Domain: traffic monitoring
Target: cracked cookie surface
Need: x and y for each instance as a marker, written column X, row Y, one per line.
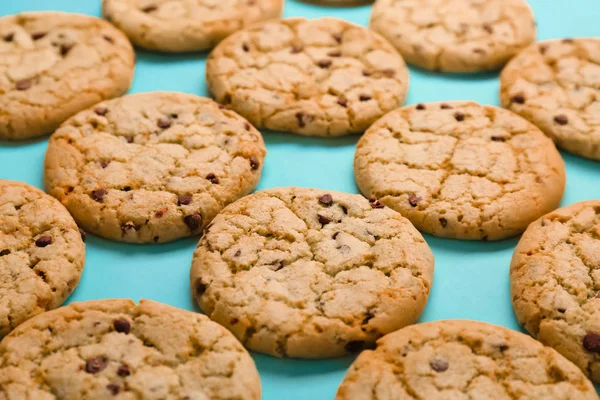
column 311, row 273
column 53, row 65
column 116, row 349
column 462, row 360
column 41, row 254
column 323, row 77
column 186, row 25
column 455, row 35
column 152, row 167
column 460, row 169
column 555, row 283
column 556, row 85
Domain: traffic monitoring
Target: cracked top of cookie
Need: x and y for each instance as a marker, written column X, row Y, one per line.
column 462, row 359
column 311, row 273
column 556, row 85
column 323, row 76
column 460, row 169
column 555, row 283
column 186, row 25
column 152, row 167
column 41, row 254
column 104, row 348
column 53, row 65
column 455, row 35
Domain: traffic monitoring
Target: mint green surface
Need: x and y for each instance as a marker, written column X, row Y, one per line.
column 471, row 278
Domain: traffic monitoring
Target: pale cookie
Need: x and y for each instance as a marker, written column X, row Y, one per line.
column 324, row 77
column 310, row 273
column 462, row 360
column 41, row 254
column 53, row 65
column 186, row 25
column 107, row 349
column 460, row 169
column 555, row 283
column 152, row 167
column 555, row 84
column 455, row 35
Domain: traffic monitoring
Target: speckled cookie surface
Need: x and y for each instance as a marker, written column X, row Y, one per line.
column 555, row 84
column 462, row 360
column 152, row 167
column 310, row 273
column 53, row 65
column 114, row 349
column 186, row 25
column 41, row 254
column 460, row 169
column 324, row 77
column 455, row 35
column 555, row 283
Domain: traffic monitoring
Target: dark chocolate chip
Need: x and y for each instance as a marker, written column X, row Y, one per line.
column 342, row 101
column 246, row 126
column 9, row 37
column 591, row 342
column 443, row 222
column 439, row 365
column 114, row 389
column 254, row 164
column 159, row 213
column 323, row 220
column 82, row 233
column 518, row 98
column 95, row 365
column 561, row 310
column 498, row 139
column 109, row 39
column 23, row 84
column 129, row 139
column 354, row 346
column 420, row 106
column 326, row 200
column 200, row 287
column 561, row 119
column 238, row 253
column 366, row 73
column 104, row 164
column 335, row 235
column 4, row 252
column 38, row 35
column 245, row 47
column 123, row 371
column 233, row 321
column 65, row 49
column 300, row 117
column 368, row 316
column 344, row 210
column 155, row 238
column 337, row 37
column 335, row 53
column 445, row 106
column 122, row 325
column 413, row 200
column 459, row 116
column 543, row 48
column 101, row 111
column 149, row 9
column 488, row 28
column 126, row 188
column 99, row 194
column 296, row 49
column 163, row 123
column 43, row 241
column 364, row 97
column 212, row 178
column 377, row 204
column 184, row 200
column 193, row 221
column 324, row 63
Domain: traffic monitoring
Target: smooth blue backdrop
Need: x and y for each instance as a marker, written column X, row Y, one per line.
column 471, row 278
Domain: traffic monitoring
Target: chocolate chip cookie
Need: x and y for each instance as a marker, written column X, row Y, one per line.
column 41, row 254
column 555, row 283
column 186, row 25
column 554, row 84
column 310, row 273
column 324, row 77
column 455, row 35
column 53, row 65
column 460, row 169
column 462, row 360
column 107, row 349
column 152, row 167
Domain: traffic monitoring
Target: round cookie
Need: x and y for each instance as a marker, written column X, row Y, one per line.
column 114, row 348
column 324, row 77
column 555, row 283
column 460, row 169
column 53, row 65
column 186, row 25
column 455, row 35
column 462, row 359
column 152, row 167
column 554, row 85
column 309, row 273
column 41, row 254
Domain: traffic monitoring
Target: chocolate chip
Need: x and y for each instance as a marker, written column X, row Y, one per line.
column 591, row 342
column 149, row 9
column 518, row 98
column 155, row 238
column 337, row 37
column 238, row 253
column 43, row 241
column 4, row 252
column 413, row 200
column 488, row 28
column 445, row 106
column 104, row 164
column 38, row 35
column 366, row 73
column 254, row 164
column 233, row 321
column 323, row 220
column 324, row 63
column 245, row 47
column 23, row 84
column 376, row 204
column 354, row 346
column 129, row 139
column 126, row 188
column 326, row 200
column 543, row 48
column 342, row 102
column 246, row 126
column 184, row 200
column 498, row 139
column 65, row 49
column 443, row 222
column 109, row 39
column 101, row 111
column 163, row 123
column 114, row 389
column 335, row 53
column 439, row 365
column 83, row 234
column 335, row 235
column 364, row 97
column 561, row 310
column 344, row 210
column 296, row 49
column 300, row 117
column 561, row 119
column 368, row 316
column 95, row 365
column 193, row 221
column 420, row 106
column 388, row 72
column 99, row 194
column 122, row 325
column 9, row 37
column 459, row 116
column 200, row 287
column 123, row 371
column 212, row 178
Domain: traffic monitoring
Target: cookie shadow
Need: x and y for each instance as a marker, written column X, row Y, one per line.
column 24, row 142
column 580, row 164
column 289, row 367
column 276, row 138
column 129, row 249
column 332, row 3
column 456, row 246
column 455, row 76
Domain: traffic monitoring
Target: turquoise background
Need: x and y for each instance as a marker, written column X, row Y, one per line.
column 471, row 278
